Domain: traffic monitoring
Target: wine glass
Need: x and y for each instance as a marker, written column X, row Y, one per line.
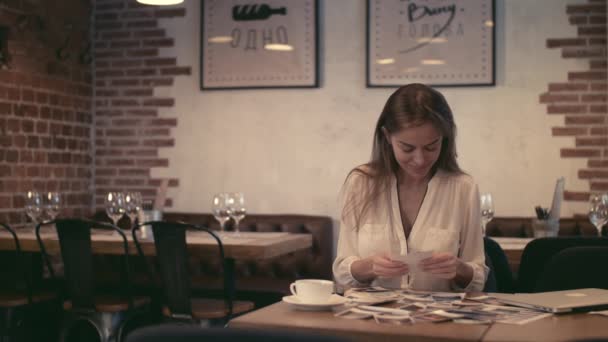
column 598, row 211
column 115, row 206
column 52, row 205
column 486, row 206
column 33, row 206
column 133, row 204
column 220, row 209
column 236, row 205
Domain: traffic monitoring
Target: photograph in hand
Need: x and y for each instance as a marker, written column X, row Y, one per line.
column 412, row 259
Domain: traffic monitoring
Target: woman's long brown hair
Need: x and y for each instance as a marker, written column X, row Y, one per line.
column 409, row 106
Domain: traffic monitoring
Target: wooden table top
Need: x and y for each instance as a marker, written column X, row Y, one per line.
column 510, row 244
column 565, row 327
column 247, row 246
column 282, row 316
column 557, row 328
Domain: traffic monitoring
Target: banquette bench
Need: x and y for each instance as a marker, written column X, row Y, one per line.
column 522, row 227
column 266, row 281
column 261, row 281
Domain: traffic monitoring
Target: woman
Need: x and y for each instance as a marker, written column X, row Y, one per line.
column 412, row 196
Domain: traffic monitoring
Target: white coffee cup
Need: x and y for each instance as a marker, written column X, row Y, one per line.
column 312, row 290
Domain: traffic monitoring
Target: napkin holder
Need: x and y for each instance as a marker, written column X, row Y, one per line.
column 548, row 225
column 148, row 214
column 545, row 228
column 153, row 211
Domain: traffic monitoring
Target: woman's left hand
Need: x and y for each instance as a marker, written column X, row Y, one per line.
column 442, row 265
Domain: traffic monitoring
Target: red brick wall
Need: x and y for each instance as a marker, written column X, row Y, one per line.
column 45, row 116
column 582, row 96
column 130, row 127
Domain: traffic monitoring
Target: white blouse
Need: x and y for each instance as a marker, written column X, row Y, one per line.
column 448, row 221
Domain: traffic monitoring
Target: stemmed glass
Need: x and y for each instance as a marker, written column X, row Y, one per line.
column 598, row 211
column 236, row 205
column 52, row 205
column 220, row 209
column 115, row 206
column 33, row 206
column 133, row 204
column 486, row 206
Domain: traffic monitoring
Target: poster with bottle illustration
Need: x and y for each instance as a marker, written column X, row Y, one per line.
column 436, row 42
column 259, row 44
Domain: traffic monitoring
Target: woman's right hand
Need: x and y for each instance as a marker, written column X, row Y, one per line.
column 379, row 265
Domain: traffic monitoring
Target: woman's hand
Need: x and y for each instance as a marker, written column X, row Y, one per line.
column 442, row 265
column 379, row 265
column 384, row 266
column 447, row 266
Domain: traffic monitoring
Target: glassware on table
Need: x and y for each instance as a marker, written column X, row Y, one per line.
column 598, row 211
column 545, row 227
column 52, row 205
column 237, row 208
column 133, row 203
column 220, row 209
column 115, row 206
column 34, row 207
column 486, row 206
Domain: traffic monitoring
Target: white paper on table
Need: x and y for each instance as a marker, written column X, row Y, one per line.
column 412, row 259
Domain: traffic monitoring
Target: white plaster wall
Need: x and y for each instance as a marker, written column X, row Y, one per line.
column 289, row 150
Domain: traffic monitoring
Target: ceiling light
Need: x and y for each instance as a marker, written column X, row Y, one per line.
column 160, row 2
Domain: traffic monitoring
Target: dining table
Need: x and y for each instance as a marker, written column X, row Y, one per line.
column 244, row 246
column 558, row 328
column 237, row 246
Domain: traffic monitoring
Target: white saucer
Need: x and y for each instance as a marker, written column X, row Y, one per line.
column 334, row 300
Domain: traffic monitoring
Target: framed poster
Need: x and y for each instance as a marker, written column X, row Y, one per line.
column 435, row 42
column 265, row 44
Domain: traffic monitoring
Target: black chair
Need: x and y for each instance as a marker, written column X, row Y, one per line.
column 105, row 315
column 172, row 256
column 538, row 252
column 19, row 303
column 575, row 268
column 500, row 277
column 175, row 333
column 490, row 285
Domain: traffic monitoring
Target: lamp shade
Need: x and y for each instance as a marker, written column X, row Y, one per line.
column 160, row 2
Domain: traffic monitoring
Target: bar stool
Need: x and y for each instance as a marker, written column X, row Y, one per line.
column 18, row 305
column 169, row 332
column 498, row 263
column 108, row 314
column 539, row 252
column 575, row 268
column 172, row 256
